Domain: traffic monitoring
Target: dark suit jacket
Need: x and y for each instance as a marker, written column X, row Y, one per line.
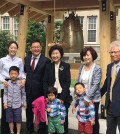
column 34, row 80
column 115, row 104
column 64, row 78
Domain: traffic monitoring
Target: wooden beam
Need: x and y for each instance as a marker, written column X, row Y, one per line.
column 31, row 14
column 14, row 11
column 38, row 11
column 3, row 3
column 49, row 34
column 7, row 8
column 24, row 2
column 42, row 17
column 36, row 16
column 22, row 32
column 40, row 0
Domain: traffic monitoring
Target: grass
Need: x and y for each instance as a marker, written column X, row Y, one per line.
column 73, row 83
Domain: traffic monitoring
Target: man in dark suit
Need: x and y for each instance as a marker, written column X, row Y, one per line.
column 112, row 89
column 34, row 68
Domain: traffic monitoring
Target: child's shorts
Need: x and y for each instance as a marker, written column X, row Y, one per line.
column 54, row 125
column 14, row 115
column 85, row 127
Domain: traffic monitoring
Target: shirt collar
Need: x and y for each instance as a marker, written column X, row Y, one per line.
column 9, row 57
column 118, row 64
column 36, row 57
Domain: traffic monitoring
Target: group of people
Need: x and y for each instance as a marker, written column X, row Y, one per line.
column 41, row 76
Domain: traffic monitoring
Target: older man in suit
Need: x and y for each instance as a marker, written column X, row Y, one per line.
column 112, row 89
column 34, row 68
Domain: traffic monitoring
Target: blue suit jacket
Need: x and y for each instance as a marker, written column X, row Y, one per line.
column 115, row 104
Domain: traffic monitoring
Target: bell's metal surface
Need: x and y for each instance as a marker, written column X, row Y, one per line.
column 72, row 34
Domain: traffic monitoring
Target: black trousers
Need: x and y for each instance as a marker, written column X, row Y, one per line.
column 112, row 122
column 96, row 127
column 29, row 120
column 4, row 124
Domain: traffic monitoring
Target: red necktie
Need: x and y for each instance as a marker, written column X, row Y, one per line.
column 33, row 64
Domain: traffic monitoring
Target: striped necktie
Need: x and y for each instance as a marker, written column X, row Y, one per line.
column 114, row 73
column 33, row 64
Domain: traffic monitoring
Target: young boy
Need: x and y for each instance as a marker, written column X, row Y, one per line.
column 56, row 112
column 85, row 112
column 14, row 99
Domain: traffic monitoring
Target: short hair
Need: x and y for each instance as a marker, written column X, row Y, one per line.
column 52, row 90
column 34, row 40
column 92, row 51
column 56, row 47
column 115, row 44
column 12, row 42
column 79, row 83
column 14, row 68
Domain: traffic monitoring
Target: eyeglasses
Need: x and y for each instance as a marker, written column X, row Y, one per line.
column 114, row 52
column 35, row 47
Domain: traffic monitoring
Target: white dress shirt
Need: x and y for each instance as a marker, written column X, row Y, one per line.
column 57, row 83
column 36, row 60
column 6, row 63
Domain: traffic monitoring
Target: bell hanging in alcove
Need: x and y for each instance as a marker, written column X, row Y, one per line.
column 72, row 34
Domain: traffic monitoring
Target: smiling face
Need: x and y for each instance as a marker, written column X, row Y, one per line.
column 79, row 89
column 35, row 49
column 51, row 96
column 115, row 53
column 13, row 75
column 88, row 59
column 56, row 56
column 12, row 50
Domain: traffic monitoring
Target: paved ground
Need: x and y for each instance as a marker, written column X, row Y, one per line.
column 72, row 121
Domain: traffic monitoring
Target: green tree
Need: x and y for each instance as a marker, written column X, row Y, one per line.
column 4, row 39
column 36, row 30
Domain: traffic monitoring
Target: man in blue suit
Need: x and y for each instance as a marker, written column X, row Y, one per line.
column 34, row 68
column 113, row 90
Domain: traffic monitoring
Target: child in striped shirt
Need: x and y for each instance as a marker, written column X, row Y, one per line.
column 56, row 112
column 85, row 110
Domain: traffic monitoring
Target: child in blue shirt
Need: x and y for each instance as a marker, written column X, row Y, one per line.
column 56, row 112
column 85, row 110
column 14, row 98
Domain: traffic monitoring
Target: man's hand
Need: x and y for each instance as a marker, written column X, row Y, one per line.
column 62, row 122
column 5, row 106
column 86, row 103
column 48, row 109
column 5, row 84
column 73, row 109
column 92, row 123
column 22, row 82
column 61, row 101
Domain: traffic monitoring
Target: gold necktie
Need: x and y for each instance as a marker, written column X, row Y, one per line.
column 114, row 73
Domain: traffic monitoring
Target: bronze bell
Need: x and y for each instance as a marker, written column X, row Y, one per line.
column 72, row 34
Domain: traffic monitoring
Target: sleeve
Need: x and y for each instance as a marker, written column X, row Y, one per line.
column 1, row 67
column 5, row 96
column 95, row 85
column 66, row 84
column 76, row 101
column 23, row 96
column 62, row 112
column 92, row 111
column 22, row 73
